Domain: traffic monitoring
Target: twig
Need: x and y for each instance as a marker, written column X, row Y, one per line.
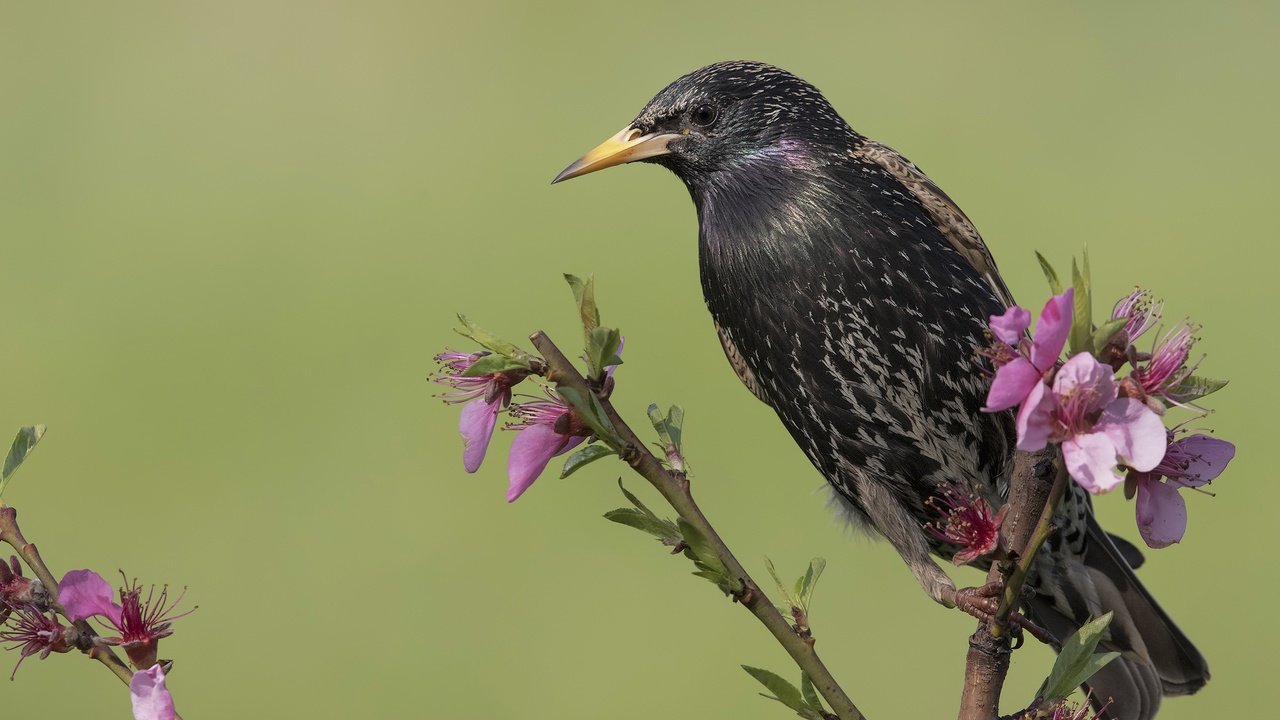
column 11, row 534
column 675, row 489
column 1031, row 495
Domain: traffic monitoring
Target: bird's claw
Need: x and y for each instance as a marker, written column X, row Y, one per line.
column 984, row 602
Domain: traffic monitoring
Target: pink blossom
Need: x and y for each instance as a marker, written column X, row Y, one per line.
column 151, row 699
column 1140, row 310
column 141, row 623
column 1167, row 367
column 547, row 428
column 84, row 594
column 483, row 395
column 1097, row 429
column 1188, row 462
column 1021, row 368
column 967, row 522
column 35, row 633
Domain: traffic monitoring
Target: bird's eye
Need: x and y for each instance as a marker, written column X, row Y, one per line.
column 703, row 115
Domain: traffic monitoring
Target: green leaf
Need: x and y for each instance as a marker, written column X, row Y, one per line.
column 1077, row 661
column 642, row 518
column 602, row 349
column 494, row 364
column 1107, row 332
column 22, row 446
column 487, row 340
column 585, row 456
column 706, row 559
column 1081, row 336
column 590, row 410
column 668, row 428
column 1055, row 285
column 810, row 694
column 1194, row 387
column 584, row 294
column 807, row 583
column 783, row 691
column 675, row 425
column 782, row 589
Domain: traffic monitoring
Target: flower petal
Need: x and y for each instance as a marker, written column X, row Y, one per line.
column 151, row 699
column 532, row 449
column 1013, row 381
column 476, row 427
column 1035, row 418
column 1010, row 327
column 1161, row 512
column 1084, row 374
column 1090, row 458
column 1052, row 329
column 1137, row 433
column 1206, row 458
column 84, row 594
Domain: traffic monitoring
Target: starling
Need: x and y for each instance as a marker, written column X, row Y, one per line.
column 850, row 294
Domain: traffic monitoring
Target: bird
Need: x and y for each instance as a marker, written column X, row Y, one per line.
column 849, row 293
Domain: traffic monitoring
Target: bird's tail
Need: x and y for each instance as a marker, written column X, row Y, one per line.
column 1156, row 659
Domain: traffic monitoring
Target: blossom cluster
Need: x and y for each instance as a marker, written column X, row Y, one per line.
column 1109, row 423
column 34, row 624
column 546, row 424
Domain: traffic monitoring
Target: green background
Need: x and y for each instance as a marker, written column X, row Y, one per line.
column 235, row 233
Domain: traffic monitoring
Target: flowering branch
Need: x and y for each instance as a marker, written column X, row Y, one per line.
column 674, row 488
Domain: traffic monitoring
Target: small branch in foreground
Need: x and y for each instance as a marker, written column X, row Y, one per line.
column 674, row 488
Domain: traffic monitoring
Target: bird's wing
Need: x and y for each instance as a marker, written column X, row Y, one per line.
column 950, row 219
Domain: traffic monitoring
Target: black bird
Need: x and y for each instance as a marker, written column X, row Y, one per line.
column 850, row 294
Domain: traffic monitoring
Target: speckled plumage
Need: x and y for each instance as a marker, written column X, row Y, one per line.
column 850, row 295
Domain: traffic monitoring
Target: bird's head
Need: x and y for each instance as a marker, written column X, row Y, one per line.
column 721, row 117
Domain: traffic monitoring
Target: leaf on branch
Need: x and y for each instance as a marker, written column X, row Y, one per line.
column 1081, row 336
column 642, row 518
column 805, row 585
column 1077, row 661
column 22, row 446
column 584, row 294
column 784, row 692
column 490, row 364
column 669, row 427
column 810, row 694
column 602, row 349
column 706, row 559
column 590, row 410
column 488, row 340
column 585, row 456
column 1194, row 387
column 1055, row 285
column 788, row 599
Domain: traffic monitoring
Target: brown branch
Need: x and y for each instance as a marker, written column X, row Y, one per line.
column 1033, row 498
column 674, row 487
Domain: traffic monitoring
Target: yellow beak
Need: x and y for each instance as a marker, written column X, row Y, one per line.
column 627, row 146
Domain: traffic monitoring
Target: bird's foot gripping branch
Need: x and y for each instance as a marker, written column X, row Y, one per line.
column 41, row 615
column 1076, row 423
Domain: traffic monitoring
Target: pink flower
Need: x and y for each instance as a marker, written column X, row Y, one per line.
column 484, row 396
column 1098, row 430
column 1019, row 368
column 151, row 699
column 1167, row 367
column 34, row 632
column 1141, row 311
column 141, row 624
column 966, row 522
column 547, row 428
column 1188, row 462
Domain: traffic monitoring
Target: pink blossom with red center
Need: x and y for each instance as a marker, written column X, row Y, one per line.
column 1098, row 430
column 546, row 428
column 1141, row 311
column 1022, row 366
column 1167, row 367
column 968, row 523
column 150, row 697
column 1189, row 462
column 33, row 632
column 484, row 396
column 141, row 623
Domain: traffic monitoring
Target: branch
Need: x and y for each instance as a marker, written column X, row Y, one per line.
column 1032, row 503
column 674, row 487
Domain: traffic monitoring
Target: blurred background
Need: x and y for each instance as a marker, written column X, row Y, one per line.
column 235, row 233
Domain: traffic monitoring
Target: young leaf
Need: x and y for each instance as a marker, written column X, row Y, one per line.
column 590, row 410
column 23, row 444
column 585, row 456
column 783, row 691
column 1107, row 332
column 602, row 349
column 487, row 340
column 1055, row 285
column 1194, row 387
column 1076, row 661
column 494, row 364
column 810, row 694
column 1081, row 336
column 584, row 294
column 706, row 559
column 642, row 518
column 675, row 425
column 806, row 584
column 782, row 589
